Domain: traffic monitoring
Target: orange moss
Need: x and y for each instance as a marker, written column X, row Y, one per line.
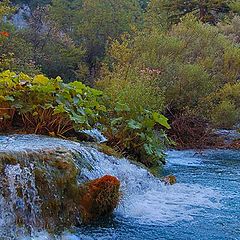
column 5, row 34
column 169, row 180
column 100, row 198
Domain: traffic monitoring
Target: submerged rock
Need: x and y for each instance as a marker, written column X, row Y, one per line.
column 41, row 188
column 169, row 180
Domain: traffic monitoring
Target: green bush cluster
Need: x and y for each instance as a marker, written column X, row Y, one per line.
column 136, row 136
column 225, row 105
column 184, row 65
column 134, row 102
column 49, row 105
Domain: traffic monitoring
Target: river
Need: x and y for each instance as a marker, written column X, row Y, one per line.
column 203, row 204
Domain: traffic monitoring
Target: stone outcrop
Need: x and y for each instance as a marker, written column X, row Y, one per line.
column 43, row 190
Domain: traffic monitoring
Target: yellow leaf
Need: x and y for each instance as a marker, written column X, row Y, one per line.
column 41, row 79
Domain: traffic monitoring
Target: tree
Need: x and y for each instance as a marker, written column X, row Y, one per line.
column 93, row 22
column 15, row 52
column 206, row 10
column 54, row 50
column 32, row 3
column 157, row 15
column 5, row 9
column 235, row 6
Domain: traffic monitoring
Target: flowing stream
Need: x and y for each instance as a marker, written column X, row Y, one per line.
column 204, row 204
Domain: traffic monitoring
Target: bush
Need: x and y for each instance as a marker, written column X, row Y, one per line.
column 194, row 59
column 135, row 102
column 224, row 106
column 136, row 137
column 47, row 106
column 231, row 29
column 125, row 81
column 225, row 115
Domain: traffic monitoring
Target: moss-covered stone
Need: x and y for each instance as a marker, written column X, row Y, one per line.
column 63, row 201
column 99, row 198
column 169, row 180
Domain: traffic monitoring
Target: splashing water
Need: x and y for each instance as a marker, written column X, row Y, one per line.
column 22, row 202
column 146, row 201
column 96, row 134
column 146, row 198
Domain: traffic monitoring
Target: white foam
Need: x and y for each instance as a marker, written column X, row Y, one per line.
column 145, row 198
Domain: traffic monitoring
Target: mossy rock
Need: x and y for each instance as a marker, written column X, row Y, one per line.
column 61, row 198
column 169, row 180
column 100, row 197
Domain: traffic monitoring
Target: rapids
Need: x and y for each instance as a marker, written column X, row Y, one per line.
column 204, row 204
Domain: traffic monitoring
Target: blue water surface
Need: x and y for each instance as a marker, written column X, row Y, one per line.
column 218, row 170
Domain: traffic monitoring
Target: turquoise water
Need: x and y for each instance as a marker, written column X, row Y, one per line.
column 212, row 211
column 203, row 204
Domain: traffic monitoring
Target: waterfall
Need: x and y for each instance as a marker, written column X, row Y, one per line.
column 19, row 201
column 144, row 198
column 96, row 135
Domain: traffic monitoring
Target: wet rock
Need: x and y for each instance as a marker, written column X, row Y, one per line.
column 42, row 189
column 100, row 198
column 169, row 180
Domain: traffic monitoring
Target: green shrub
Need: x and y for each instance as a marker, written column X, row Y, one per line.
column 224, row 106
column 231, row 29
column 48, row 106
column 225, row 114
column 194, row 60
column 126, row 82
column 134, row 103
column 136, row 136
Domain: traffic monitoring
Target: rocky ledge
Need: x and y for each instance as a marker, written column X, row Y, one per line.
column 40, row 187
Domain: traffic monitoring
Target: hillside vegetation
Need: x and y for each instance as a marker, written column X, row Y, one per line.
column 138, row 70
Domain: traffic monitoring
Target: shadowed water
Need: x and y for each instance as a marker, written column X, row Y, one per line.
column 204, row 204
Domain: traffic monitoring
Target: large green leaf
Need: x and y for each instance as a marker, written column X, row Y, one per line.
column 40, row 79
column 161, row 119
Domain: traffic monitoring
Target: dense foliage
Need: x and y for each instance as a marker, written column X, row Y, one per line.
column 149, row 59
column 47, row 106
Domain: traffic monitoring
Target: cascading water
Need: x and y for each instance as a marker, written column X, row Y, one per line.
column 146, row 201
column 21, row 203
column 146, row 198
